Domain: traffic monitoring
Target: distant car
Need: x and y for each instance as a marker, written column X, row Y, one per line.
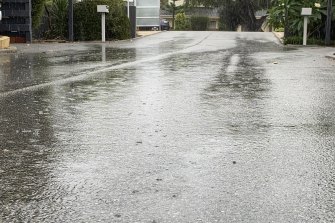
column 165, row 25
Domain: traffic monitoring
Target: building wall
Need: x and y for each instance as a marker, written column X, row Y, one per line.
column 16, row 21
column 147, row 13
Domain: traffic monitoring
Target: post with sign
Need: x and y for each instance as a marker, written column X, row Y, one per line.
column 103, row 9
column 305, row 12
column 0, row 11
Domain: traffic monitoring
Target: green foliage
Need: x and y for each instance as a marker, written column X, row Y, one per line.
column 279, row 29
column 230, row 16
column 37, row 11
column 295, row 21
column 298, row 40
column 87, row 21
column 199, row 23
column 58, row 18
column 258, row 4
column 236, row 12
column 181, row 22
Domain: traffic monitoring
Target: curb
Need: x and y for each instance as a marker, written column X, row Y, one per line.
column 11, row 49
column 150, row 34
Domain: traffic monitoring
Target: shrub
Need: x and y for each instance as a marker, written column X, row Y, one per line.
column 199, row 23
column 87, row 21
column 281, row 29
column 298, row 40
column 37, row 10
column 181, row 22
column 58, row 18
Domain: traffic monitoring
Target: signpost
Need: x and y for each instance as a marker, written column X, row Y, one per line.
column 305, row 12
column 103, row 9
column 128, row 5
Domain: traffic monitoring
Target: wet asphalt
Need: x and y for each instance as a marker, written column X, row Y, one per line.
column 173, row 127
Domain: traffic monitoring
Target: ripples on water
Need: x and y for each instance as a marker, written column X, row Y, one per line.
column 208, row 135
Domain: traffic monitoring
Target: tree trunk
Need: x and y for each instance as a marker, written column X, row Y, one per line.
column 329, row 22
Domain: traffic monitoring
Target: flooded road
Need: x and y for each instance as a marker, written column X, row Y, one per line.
column 174, row 127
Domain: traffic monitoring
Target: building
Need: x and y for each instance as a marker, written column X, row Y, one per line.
column 212, row 13
column 147, row 14
column 16, row 20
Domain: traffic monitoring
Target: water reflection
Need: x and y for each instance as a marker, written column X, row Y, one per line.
column 20, row 71
column 103, row 53
column 26, row 136
column 212, row 131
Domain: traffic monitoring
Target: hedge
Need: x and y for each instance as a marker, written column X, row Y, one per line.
column 199, row 23
column 298, row 40
column 87, row 21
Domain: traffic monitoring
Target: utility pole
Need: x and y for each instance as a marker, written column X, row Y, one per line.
column 329, row 22
column 286, row 21
column 70, row 21
column 128, row 11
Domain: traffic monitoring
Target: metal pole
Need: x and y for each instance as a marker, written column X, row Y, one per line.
column 173, row 12
column 286, row 22
column 128, row 12
column 305, row 30
column 70, row 21
column 329, row 21
column 30, row 35
column 103, row 36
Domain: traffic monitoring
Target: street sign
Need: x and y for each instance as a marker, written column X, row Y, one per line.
column 306, row 11
column 103, row 8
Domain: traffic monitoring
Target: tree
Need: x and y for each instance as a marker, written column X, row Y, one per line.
column 164, row 2
column 329, row 21
column 182, row 23
column 236, row 12
column 37, row 11
column 287, row 14
column 172, row 8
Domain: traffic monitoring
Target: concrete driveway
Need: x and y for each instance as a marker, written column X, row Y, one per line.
column 173, row 127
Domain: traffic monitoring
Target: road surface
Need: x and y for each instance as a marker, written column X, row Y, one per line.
column 173, row 127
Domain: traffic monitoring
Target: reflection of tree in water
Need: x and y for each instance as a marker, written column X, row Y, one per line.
column 242, row 77
column 239, row 88
column 24, row 70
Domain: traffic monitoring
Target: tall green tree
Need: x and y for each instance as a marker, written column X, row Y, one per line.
column 37, row 11
column 236, row 12
column 173, row 9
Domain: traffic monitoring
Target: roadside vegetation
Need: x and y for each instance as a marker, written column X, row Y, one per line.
column 282, row 15
column 293, row 25
column 50, row 19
